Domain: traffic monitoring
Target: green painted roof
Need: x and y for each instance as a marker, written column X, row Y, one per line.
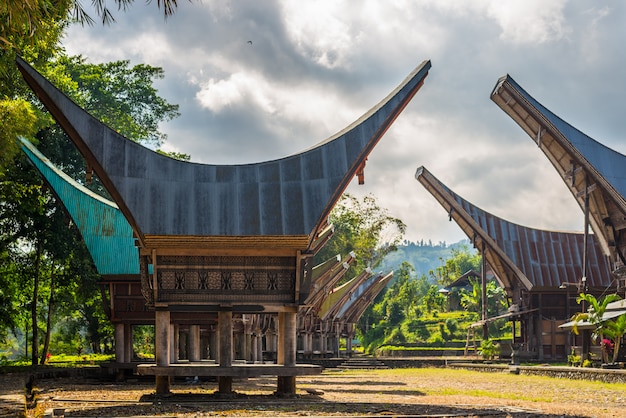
column 107, row 234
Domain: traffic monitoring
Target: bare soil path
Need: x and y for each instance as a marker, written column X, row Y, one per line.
column 393, row 392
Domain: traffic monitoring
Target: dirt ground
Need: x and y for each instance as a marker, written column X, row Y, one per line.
column 394, row 392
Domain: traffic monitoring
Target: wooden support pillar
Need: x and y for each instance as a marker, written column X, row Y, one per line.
column 162, row 349
column 254, row 342
column 349, row 345
column 259, row 346
column 174, row 343
column 225, row 342
column 286, row 355
column 119, row 350
column 213, row 344
column 483, row 282
column 248, row 347
column 194, row 343
column 119, row 343
column 127, row 343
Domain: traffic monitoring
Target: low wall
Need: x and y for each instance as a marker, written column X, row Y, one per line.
column 420, row 353
column 574, row 373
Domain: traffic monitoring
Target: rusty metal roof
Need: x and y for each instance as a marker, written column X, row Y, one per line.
column 582, row 162
column 519, row 255
column 105, row 231
column 163, row 197
column 365, row 295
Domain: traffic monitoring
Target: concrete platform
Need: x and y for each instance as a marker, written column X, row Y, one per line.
column 236, row 370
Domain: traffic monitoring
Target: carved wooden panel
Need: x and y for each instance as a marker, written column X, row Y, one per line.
column 220, row 279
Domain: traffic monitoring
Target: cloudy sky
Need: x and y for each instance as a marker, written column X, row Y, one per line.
column 259, row 80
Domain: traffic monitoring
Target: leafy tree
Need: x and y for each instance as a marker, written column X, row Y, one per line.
column 364, row 228
column 30, row 217
column 460, row 261
column 394, row 313
column 433, row 300
column 120, row 96
column 17, row 118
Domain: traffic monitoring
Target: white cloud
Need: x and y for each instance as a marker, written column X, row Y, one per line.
column 530, row 21
column 318, row 31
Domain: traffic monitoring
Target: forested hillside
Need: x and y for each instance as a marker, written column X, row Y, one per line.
column 424, row 256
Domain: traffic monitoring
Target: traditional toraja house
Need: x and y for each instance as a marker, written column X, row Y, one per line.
column 225, row 239
column 592, row 172
column 109, row 239
column 532, row 266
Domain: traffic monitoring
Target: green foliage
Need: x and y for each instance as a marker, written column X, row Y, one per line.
column 362, row 227
column 425, row 319
column 143, row 341
column 489, row 349
column 573, row 359
column 43, row 248
column 433, row 300
column 471, row 299
column 29, row 20
column 17, row 118
column 424, row 256
column 395, row 337
column 460, row 261
column 120, row 96
column 612, row 328
column 615, row 330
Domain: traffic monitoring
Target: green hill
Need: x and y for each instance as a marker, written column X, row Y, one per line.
column 424, row 256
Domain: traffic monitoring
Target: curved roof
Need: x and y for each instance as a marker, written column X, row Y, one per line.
column 341, row 294
column 583, row 163
column 163, row 197
column 107, row 234
column 364, row 296
column 532, row 258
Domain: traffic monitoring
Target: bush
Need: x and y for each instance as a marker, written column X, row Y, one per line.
column 489, row 349
column 396, row 337
column 452, row 325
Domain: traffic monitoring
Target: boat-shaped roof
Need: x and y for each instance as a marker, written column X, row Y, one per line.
column 362, row 298
column 105, row 231
column 167, row 201
column 583, row 163
column 519, row 256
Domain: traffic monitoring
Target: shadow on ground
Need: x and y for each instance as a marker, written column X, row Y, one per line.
column 303, row 405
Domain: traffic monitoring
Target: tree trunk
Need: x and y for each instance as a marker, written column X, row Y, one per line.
column 35, row 339
column 26, row 326
column 46, row 343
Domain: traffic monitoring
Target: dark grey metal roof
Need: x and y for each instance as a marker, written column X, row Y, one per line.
column 161, row 196
column 515, row 253
column 582, row 162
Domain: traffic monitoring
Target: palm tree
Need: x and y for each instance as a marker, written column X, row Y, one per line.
column 27, row 17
